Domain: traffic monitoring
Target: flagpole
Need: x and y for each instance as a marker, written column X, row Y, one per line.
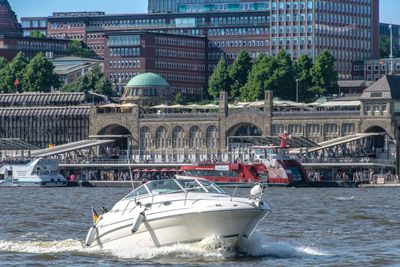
column 391, row 48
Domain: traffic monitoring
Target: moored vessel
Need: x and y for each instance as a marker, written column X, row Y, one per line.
column 35, row 172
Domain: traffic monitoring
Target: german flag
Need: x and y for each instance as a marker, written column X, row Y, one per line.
column 95, row 216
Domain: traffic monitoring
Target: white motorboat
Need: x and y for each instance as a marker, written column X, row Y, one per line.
column 37, row 172
column 166, row 212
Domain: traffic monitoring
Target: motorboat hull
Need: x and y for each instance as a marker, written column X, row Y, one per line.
column 191, row 227
column 16, row 183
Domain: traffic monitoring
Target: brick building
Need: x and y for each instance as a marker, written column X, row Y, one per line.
column 179, row 59
column 12, row 40
column 347, row 28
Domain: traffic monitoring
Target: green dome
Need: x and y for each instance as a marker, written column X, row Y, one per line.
column 147, row 79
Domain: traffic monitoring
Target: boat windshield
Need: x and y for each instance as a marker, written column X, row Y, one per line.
column 174, row 186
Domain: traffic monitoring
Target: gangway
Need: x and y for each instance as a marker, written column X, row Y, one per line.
column 336, row 144
column 69, row 147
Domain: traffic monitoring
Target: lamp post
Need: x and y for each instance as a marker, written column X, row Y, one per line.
column 297, row 90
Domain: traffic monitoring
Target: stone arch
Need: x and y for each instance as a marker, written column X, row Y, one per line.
column 241, row 129
column 178, row 137
column 253, row 117
column 195, row 137
column 117, row 129
column 145, row 137
column 244, row 129
column 212, row 136
column 161, row 137
column 379, row 140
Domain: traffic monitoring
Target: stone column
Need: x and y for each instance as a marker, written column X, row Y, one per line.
column 268, row 109
column 223, row 111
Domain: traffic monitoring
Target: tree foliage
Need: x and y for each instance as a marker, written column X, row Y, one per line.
column 278, row 74
column 303, row 68
column 37, row 34
column 12, row 74
column 384, row 47
column 179, row 99
column 324, row 74
column 94, row 81
column 77, row 48
column 3, row 62
column 39, row 75
column 219, row 80
column 255, row 84
column 238, row 72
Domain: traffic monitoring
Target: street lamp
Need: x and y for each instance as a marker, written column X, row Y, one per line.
column 297, row 90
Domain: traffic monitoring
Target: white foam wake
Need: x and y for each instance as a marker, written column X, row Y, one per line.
column 253, row 247
column 212, row 247
column 345, row 198
column 40, row 247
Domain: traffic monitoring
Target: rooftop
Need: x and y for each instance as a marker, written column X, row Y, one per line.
column 147, row 79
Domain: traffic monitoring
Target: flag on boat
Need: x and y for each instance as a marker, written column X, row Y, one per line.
column 94, row 215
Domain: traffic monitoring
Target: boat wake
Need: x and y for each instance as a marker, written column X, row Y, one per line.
column 210, row 249
column 345, row 198
column 254, row 247
column 41, row 247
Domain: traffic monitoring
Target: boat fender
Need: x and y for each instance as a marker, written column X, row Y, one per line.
column 91, row 235
column 137, row 221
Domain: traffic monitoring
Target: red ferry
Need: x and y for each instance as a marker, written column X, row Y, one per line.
column 227, row 174
column 272, row 166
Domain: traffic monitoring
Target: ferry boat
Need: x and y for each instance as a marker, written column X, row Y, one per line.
column 271, row 166
column 36, row 172
column 231, row 174
column 282, row 170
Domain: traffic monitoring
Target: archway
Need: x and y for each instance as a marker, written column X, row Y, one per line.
column 117, row 130
column 234, row 134
column 379, row 142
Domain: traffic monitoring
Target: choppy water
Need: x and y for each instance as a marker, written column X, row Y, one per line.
column 308, row 227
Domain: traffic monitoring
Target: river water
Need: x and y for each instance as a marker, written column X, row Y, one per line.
column 308, row 227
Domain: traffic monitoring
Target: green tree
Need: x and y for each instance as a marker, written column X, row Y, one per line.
column 324, row 74
column 303, row 68
column 103, row 86
column 384, row 46
column 219, row 80
column 281, row 77
column 3, row 62
column 12, row 74
column 94, row 81
column 37, row 34
column 77, row 48
column 179, row 99
column 39, row 75
column 238, row 72
column 255, row 85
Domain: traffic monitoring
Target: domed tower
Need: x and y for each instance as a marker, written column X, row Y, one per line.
column 147, row 89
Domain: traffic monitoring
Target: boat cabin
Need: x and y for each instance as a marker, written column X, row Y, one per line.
column 270, row 153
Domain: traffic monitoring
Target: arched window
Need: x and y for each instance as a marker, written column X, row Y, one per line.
column 195, row 137
column 178, row 138
column 145, row 138
column 212, row 137
column 161, row 137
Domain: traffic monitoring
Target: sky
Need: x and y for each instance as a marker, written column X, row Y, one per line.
column 389, row 9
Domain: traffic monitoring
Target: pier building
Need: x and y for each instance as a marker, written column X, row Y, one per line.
column 197, row 132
